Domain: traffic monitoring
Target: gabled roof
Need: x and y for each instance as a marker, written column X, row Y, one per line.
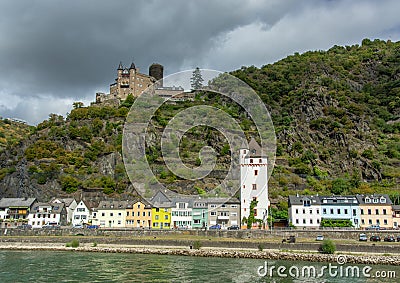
column 66, row 201
column 120, row 67
column 16, row 202
column 133, row 66
column 396, row 207
column 300, row 199
column 113, row 204
column 363, row 199
column 160, row 199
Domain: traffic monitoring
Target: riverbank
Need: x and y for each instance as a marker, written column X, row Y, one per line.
column 271, row 254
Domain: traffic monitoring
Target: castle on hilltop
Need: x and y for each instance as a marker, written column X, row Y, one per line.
column 131, row 81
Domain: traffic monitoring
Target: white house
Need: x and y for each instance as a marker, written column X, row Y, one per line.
column 110, row 214
column 181, row 213
column 304, row 211
column 45, row 213
column 254, row 182
column 81, row 214
column 70, row 205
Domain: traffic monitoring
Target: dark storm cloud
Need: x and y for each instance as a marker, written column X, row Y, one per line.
column 55, row 52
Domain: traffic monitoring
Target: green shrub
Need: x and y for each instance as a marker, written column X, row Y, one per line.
column 260, row 247
column 197, row 245
column 73, row 244
column 327, row 247
column 94, row 244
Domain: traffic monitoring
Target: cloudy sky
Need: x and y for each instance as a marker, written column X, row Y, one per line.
column 55, row 52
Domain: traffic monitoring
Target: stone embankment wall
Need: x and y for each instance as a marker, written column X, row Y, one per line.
column 238, row 234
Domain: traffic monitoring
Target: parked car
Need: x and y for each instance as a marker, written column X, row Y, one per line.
column 319, row 238
column 215, row 227
column 373, row 227
column 93, row 227
column 398, row 238
column 389, row 239
column 291, row 239
column 79, row 226
column 363, row 238
column 25, row 226
column 234, row 227
column 375, row 238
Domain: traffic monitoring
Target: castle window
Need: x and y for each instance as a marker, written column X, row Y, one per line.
column 254, row 186
column 255, row 172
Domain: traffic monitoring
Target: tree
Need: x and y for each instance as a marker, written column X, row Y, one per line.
column 77, row 104
column 196, row 82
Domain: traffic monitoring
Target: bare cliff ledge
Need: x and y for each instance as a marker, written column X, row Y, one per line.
column 336, row 115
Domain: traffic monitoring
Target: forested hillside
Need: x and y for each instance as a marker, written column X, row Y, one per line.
column 336, row 115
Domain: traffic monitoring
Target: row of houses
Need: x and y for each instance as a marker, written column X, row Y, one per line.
column 362, row 211
column 163, row 213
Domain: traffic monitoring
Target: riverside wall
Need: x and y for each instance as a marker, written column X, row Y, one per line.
column 237, row 234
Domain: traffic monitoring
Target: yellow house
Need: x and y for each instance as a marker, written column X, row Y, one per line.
column 375, row 210
column 138, row 215
column 161, row 211
column 161, row 217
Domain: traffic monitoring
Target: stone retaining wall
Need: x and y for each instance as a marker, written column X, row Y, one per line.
column 238, row 234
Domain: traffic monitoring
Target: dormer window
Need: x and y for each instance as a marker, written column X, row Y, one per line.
column 383, row 200
column 367, row 200
column 253, row 151
column 375, row 200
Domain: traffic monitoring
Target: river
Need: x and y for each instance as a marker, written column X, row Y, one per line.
column 51, row 266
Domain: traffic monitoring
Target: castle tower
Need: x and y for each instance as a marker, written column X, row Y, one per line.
column 254, row 182
column 157, row 71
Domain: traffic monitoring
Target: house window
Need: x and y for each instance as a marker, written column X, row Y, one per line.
column 384, row 211
column 119, row 213
column 144, row 213
column 304, row 221
column 369, row 221
column 138, row 213
column 260, row 160
column 310, row 211
column 157, row 209
column 354, row 212
column 213, row 205
column 311, row 221
column 385, row 222
column 369, row 212
column 156, row 217
column 377, row 211
column 111, row 214
column 213, row 213
column 127, row 213
column 362, row 221
column 149, row 213
column 103, row 214
column 254, row 186
column 331, row 210
column 166, row 217
column 255, row 172
column 297, row 211
column 317, row 211
column 224, row 205
column 297, row 221
column 251, row 160
column 346, row 211
column 196, row 221
column 234, row 206
column 338, row 211
column 317, row 221
column 324, row 211
column 378, row 221
column 304, row 211
column 362, row 211
column 138, row 206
